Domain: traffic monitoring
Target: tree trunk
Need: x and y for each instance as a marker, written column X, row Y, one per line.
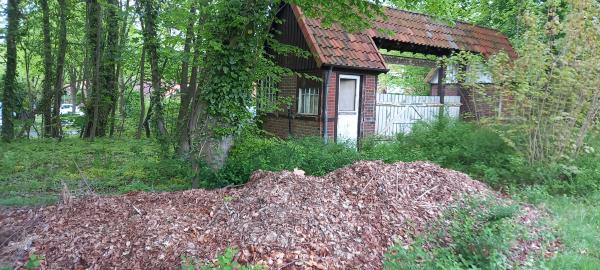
column 590, row 118
column 46, row 103
column 30, row 111
column 184, row 135
column 138, row 134
column 146, row 123
column 110, row 67
column 73, row 87
column 184, row 87
column 8, row 97
column 60, row 63
column 94, row 38
column 122, row 43
column 151, row 44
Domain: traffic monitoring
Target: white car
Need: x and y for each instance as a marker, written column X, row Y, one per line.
column 68, row 109
column 14, row 114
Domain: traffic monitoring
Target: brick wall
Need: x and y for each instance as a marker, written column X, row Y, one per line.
column 301, row 127
column 331, row 105
column 278, row 122
column 369, row 98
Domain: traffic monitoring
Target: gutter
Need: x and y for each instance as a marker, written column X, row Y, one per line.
column 325, row 109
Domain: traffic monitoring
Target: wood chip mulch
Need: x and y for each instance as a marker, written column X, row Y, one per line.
column 346, row 219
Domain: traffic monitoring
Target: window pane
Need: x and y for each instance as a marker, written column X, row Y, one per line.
column 347, row 96
column 314, row 102
column 301, row 102
column 308, row 101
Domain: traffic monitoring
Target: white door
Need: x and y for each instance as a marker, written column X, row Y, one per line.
column 347, row 110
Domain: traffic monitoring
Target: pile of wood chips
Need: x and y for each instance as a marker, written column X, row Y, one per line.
column 285, row 220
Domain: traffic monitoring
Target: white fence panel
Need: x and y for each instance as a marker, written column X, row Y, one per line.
column 398, row 113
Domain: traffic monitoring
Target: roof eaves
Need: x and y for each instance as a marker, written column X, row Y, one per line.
column 379, row 55
column 349, row 67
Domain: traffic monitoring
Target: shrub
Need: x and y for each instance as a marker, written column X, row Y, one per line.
column 477, row 235
column 578, row 176
column 254, row 152
column 475, row 150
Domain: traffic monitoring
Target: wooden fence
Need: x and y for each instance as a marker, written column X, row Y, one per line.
column 398, row 113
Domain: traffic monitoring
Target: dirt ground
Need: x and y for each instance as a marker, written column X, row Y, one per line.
column 286, row 220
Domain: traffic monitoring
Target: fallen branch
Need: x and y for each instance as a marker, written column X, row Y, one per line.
column 425, row 193
column 137, row 210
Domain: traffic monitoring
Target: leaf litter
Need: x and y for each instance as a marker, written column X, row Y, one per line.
column 285, row 220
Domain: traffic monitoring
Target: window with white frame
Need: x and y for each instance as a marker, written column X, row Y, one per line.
column 267, row 92
column 308, row 101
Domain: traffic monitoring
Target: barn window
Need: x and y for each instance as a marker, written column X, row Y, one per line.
column 308, row 101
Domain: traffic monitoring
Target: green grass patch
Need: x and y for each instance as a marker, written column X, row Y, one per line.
column 477, row 234
column 28, row 200
column 32, row 171
column 577, row 221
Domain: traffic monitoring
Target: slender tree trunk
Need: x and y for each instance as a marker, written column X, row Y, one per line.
column 138, row 134
column 184, row 86
column 184, row 135
column 46, row 103
column 29, row 112
column 146, row 123
column 86, row 74
column 73, row 87
column 122, row 43
column 60, row 63
column 151, row 44
column 590, row 118
column 8, row 97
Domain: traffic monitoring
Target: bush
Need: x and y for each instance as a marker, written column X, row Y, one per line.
column 254, row 152
column 477, row 235
column 466, row 147
column 579, row 176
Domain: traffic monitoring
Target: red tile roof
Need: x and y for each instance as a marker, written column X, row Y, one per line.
column 335, row 46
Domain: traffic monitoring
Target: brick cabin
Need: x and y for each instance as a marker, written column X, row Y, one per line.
column 342, row 105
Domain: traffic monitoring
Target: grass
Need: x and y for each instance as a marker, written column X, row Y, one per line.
column 476, row 234
column 577, row 221
column 33, row 172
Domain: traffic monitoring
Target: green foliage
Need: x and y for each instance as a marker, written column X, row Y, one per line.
column 502, row 15
column 476, row 235
column 467, row 147
column 549, row 95
column 411, row 79
column 577, row 221
column 485, row 155
column 34, row 262
column 462, row 146
column 252, row 152
column 224, row 262
column 40, row 166
column 578, row 177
